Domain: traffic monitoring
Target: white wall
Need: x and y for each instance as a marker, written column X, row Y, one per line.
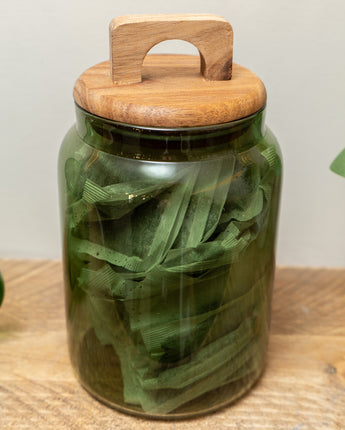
column 295, row 46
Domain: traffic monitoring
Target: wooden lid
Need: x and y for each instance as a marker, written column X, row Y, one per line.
column 170, row 90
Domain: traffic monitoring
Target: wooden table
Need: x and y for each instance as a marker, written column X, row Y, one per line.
column 303, row 386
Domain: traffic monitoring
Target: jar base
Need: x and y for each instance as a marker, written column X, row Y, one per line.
column 173, row 416
column 200, row 406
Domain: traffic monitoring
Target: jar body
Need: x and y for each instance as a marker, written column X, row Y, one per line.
column 168, row 242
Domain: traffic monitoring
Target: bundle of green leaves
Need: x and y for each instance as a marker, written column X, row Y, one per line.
column 176, row 273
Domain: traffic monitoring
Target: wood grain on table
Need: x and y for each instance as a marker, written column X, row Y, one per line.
column 303, row 387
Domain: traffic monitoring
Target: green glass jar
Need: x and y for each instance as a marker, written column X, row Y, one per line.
column 169, row 257
column 2, row 289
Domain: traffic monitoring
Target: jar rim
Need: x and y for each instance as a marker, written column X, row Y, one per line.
column 196, row 129
column 156, row 144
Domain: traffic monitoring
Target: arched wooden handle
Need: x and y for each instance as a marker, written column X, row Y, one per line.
column 131, row 37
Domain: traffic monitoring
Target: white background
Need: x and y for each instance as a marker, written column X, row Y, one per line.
column 295, row 46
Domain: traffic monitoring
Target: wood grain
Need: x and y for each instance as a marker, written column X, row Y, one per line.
column 170, row 90
column 131, row 37
column 173, row 93
column 303, row 387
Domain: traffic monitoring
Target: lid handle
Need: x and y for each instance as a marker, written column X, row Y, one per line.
column 131, row 38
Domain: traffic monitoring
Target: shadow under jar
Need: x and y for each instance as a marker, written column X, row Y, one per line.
column 169, row 257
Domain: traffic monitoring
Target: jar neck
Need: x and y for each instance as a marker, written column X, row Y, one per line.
column 164, row 144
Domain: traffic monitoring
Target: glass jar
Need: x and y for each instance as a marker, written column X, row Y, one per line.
column 169, row 257
column 2, row 289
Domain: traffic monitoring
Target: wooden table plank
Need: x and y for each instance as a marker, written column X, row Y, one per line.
column 303, row 387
